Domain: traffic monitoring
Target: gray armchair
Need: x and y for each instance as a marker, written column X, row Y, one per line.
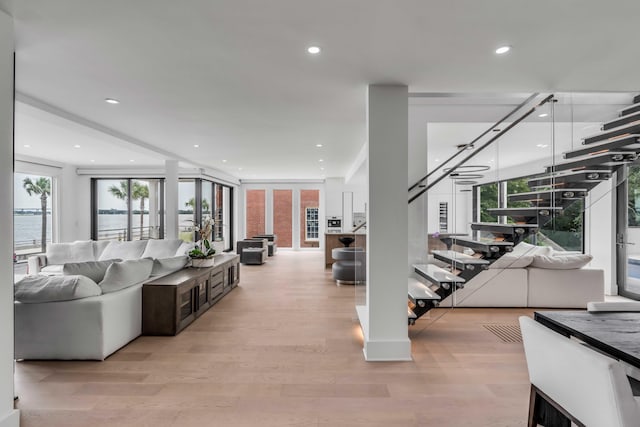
column 252, row 251
column 272, row 240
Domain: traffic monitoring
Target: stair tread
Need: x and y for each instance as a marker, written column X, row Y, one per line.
column 596, row 159
column 628, row 128
column 419, row 291
column 629, row 107
column 627, row 118
column 436, row 274
column 547, row 192
column 580, row 177
column 467, row 239
column 610, row 144
column 497, row 224
column 533, row 210
column 460, row 257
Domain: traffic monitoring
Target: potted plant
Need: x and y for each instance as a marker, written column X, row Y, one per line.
column 202, row 254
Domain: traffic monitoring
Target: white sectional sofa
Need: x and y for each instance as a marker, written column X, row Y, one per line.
column 536, row 277
column 80, row 327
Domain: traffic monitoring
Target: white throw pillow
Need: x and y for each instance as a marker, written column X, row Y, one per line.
column 80, row 251
column 166, row 266
column 123, row 250
column 509, row 260
column 561, row 262
column 161, row 248
column 99, row 246
column 127, row 273
column 38, row 289
column 521, row 256
column 185, row 248
column 94, row 270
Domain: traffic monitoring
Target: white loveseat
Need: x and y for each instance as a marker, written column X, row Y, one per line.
column 532, row 276
column 91, row 327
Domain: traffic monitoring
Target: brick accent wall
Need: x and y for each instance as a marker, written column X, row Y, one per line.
column 283, row 217
column 255, row 212
column 308, row 199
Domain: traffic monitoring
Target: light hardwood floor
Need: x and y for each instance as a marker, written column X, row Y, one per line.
column 284, row 349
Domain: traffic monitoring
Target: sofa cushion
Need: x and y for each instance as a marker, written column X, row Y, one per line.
column 52, row 270
column 123, row 250
column 161, row 248
column 123, row 274
column 80, row 251
column 166, row 266
column 38, row 289
column 556, row 261
column 94, row 270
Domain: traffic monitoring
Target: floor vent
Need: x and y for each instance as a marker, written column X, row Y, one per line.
column 505, row 331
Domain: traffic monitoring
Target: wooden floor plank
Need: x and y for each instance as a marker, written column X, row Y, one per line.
column 284, row 349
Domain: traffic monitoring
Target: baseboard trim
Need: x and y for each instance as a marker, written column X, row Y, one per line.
column 387, row 350
column 12, row 419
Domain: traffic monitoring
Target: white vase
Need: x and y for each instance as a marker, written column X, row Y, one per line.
column 202, row 262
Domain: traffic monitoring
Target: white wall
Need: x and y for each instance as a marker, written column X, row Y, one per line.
column 8, row 416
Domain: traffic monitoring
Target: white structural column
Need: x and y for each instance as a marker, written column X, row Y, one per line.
column 172, row 202
column 9, row 417
column 385, row 315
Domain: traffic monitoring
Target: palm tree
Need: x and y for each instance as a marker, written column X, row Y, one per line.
column 42, row 187
column 138, row 192
column 192, row 204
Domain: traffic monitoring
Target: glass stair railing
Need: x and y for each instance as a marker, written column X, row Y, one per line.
column 566, row 183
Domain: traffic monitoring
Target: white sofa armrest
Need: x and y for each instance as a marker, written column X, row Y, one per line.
column 35, row 263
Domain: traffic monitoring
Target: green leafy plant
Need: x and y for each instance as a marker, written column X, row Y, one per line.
column 203, row 248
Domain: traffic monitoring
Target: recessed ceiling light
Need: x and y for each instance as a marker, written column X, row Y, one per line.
column 320, row 160
column 26, row 146
column 437, row 160
column 111, row 101
column 542, row 145
column 321, row 169
column 92, row 161
column 132, row 160
column 503, row 49
column 319, row 145
column 239, row 169
column 224, row 161
column 76, row 146
column 196, row 146
column 543, row 114
column 314, row 50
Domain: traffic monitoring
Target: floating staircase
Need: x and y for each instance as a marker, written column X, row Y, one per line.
column 563, row 184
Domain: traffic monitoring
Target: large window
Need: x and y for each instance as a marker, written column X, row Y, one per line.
column 127, row 209
column 32, row 214
column 564, row 231
column 200, row 199
column 311, row 224
column 309, row 204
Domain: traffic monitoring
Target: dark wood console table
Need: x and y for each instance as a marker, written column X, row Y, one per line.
column 170, row 303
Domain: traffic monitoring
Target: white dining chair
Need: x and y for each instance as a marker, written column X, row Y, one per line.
column 588, row 387
column 593, row 307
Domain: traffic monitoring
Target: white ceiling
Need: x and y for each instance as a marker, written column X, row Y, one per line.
column 234, row 76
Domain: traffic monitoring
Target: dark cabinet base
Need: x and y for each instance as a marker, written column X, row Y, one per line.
column 172, row 302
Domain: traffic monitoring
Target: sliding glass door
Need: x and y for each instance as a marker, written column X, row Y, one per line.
column 628, row 232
